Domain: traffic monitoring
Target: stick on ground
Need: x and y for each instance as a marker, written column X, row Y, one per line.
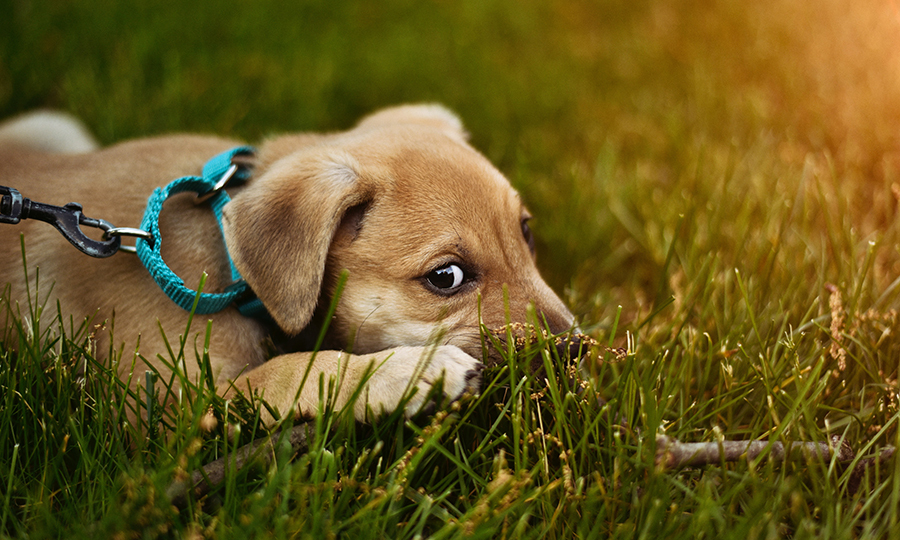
column 213, row 473
column 673, row 454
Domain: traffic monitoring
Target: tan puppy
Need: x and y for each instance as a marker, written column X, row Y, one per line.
column 430, row 232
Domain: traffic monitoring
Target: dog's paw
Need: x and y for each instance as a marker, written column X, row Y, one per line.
column 420, row 368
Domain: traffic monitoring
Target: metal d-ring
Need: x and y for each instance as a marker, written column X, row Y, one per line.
column 226, row 176
column 129, row 231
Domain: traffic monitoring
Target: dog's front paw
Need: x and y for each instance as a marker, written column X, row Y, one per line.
column 419, row 368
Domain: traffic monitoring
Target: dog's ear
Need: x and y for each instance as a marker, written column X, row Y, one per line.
column 431, row 115
column 279, row 229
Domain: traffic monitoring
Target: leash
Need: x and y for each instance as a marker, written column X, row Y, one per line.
column 210, row 187
column 67, row 220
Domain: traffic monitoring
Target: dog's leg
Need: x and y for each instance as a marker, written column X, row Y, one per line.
column 385, row 378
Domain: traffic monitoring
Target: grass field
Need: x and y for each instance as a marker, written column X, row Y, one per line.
column 714, row 187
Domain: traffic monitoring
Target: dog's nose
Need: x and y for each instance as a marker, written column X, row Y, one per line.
column 572, row 346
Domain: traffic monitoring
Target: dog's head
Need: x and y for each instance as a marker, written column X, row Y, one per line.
column 435, row 239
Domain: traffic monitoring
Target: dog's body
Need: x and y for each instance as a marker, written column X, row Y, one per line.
column 431, row 234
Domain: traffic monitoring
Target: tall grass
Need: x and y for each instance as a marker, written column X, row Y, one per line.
column 714, row 188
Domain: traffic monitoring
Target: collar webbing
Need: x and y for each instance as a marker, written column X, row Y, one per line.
column 149, row 251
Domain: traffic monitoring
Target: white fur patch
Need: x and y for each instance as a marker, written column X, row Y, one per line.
column 50, row 131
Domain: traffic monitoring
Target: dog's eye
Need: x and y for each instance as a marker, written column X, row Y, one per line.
column 447, row 278
column 526, row 232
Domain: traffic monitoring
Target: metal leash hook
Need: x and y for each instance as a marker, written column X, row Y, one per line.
column 67, row 219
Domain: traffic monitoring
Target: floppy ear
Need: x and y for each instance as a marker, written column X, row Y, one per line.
column 431, row 115
column 279, row 229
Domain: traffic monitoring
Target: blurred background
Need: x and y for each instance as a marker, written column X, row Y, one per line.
column 569, row 99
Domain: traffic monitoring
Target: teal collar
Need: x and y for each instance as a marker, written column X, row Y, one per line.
column 216, row 173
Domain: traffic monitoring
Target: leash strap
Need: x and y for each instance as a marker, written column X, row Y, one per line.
column 216, row 173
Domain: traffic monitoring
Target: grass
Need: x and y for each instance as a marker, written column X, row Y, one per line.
column 714, row 189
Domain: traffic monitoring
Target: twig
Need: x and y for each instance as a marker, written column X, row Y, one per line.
column 213, row 473
column 859, row 471
column 671, row 453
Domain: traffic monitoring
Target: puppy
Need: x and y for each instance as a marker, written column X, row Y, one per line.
column 434, row 241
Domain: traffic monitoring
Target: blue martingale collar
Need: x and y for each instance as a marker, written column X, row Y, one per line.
column 216, row 173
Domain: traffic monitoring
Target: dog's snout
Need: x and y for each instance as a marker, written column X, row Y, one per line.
column 555, row 323
column 553, row 313
column 571, row 347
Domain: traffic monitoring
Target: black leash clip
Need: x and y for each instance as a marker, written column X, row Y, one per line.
column 67, row 220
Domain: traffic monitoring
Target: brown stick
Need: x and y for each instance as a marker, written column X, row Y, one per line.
column 859, row 472
column 671, row 453
column 213, row 473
